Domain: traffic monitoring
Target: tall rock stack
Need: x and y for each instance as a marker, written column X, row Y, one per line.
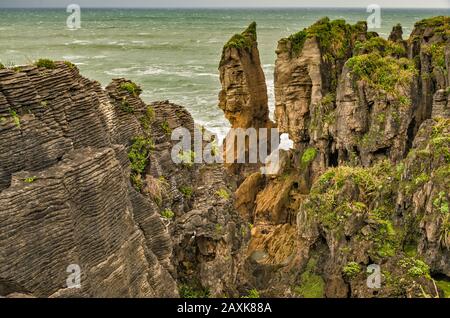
column 243, row 97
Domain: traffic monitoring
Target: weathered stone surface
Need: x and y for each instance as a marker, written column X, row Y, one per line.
column 243, row 97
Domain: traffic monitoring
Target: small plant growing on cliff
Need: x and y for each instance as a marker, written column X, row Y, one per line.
column 243, row 40
column 168, row 214
column 252, row 293
column 308, row 156
column 311, row 284
column 186, row 191
column 166, row 127
column 30, row 179
column 69, row 65
column 2, row 66
column 441, row 203
column 148, row 117
column 131, row 88
column 189, row 292
column 415, row 267
column 138, row 156
column 187, row 158
column 45, row 63
column 223, row 193
column 15, row 117
column 126, row 107
column 351, row 270
column 383, row 72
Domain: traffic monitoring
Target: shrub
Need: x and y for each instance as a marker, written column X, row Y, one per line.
column 15, row 117
column 243, row 40
column 148, row 117
column 383, row 72
column 45, row 63
column 223, row 193
column 138, row 156
column 69, row 64
column 186, row 191
column 252, row 293
column 166, row 127
column 30, row 179
column 131, row 88
column 187, row 158
column 351, row 270
column 189, row 292
column 311, row 284
column 415, row 267
column 168, row 214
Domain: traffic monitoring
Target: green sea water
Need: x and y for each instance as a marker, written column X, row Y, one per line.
column 172, row 53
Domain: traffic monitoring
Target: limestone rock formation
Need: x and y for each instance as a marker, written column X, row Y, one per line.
column 367, row 184
column 87, row 180
column 243, row 97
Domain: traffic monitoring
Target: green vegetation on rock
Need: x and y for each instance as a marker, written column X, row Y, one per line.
column 311, row 284
column 131, row 88
column 126, row 107
column 45, row 63
column 415, row 267
column 380, row 45
column 308, row 156
column 244, row 40
column 190, row 292
column 139, row 156
column 148, row 118
column 444, row 286
column 252, row 293
column 187, row 191
column 333, row 37
column 69, row 64
column 383, row 72
column 15, row 117
column 30, row 179
column 168, row 214
column 223, row 193
column 351, row 270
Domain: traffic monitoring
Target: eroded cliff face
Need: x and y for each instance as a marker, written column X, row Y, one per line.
column 87, row 178
column 367, row 182
column 243, row 97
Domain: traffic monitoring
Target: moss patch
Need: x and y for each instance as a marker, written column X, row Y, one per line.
column 311, row 284
column 308, row 156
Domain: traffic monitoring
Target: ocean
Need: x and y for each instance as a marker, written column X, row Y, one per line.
column 172, row 53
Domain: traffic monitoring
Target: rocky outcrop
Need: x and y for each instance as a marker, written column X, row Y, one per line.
column 88, row 182
column 64, row 153
column 88, row 178
column 243, row 97
column 367, row 182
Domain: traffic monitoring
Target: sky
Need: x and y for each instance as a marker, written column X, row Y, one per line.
column 226, row 3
